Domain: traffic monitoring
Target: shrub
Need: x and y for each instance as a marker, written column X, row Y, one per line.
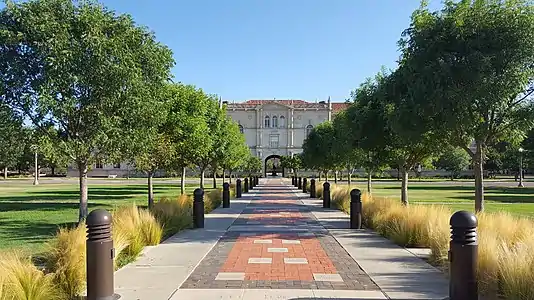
column 138, row 226
column 212, row 200
column 506, row 242
column 174, row 215
column 21, row 280
column 66, row 259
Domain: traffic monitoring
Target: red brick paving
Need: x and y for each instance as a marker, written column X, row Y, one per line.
column 309, row 248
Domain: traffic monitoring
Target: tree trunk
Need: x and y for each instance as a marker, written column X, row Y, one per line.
column 320, row 175
column 82, row 169
column 404, row 187
column 53, row 169
column 215, row 180
column 369, row 177
column 335, row 177
column 224, row 175
column 398, row 173
column 326, row 176
column 150, row 191
column 452, row 176
column 36, row 170
column 479, row 178
column 202, row 178
column 230, row 176
column 182, row 182
column 349, row 178
column 5, row 173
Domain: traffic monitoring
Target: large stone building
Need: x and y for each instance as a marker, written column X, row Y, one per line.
column 274, row 128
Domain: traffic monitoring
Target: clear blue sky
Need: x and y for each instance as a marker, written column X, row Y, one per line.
column 284, row 49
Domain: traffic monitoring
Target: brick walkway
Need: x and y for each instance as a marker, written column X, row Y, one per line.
column 277, row 243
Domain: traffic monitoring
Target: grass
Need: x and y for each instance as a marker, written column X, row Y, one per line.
column 518, row 201
column 31, row 215
column 506, row 241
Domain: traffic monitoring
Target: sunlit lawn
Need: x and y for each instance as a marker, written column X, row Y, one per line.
column 29, row 215
column 511, row 199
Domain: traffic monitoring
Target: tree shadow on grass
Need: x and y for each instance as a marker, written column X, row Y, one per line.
column 432, row 188
column 47, row 206
column 522, row 198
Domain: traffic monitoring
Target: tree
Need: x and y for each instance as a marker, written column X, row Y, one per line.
column 83, row 69
column 187, row 127
column 473, row 60
column 291, row 162
column 252, row 165
column 234, row 150
column 318, row 149
column 349, row 156
column 10, row 134
column 454, row 160
column 368, row 128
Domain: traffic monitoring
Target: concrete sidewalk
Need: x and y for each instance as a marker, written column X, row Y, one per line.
column 276, row 243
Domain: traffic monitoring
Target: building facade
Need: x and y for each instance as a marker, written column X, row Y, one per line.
column 275, row 128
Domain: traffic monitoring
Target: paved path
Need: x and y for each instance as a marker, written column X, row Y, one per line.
column 276, row 243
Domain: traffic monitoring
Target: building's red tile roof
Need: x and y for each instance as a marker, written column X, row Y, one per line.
column 336, row 106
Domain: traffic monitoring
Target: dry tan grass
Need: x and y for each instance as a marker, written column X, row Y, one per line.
column 21, row 280
column 174, row 214
column 66, row 259
column 506, row 242
column 138, row 226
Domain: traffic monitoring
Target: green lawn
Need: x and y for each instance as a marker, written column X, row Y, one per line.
column 511, row 199
column 30, row 215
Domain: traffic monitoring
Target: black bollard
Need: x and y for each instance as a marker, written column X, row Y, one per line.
column 312, row 188
column 355, row 209
column 305, row 185
column 226, row 195
column 238, row 188
column 198, row 208
column 326, row 195
column 252, row 183
column 293, row 180
column 299, row 184
column 463, row 256
column 100, row 255
column 245, row 187
column 257, row 180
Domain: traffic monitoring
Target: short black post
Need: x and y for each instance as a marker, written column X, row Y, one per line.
column 293, row 180
column 355, row 209
column 299, row 184
column 226, row 195
column 245, row 187
column 238, row 188
column 257, row 180
column 100, row 255
column 198, row 208
column 326, row 195
column 305, row 185
column 463, row 256
column 312, row 188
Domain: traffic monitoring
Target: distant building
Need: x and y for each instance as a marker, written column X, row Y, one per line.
column 274, row 128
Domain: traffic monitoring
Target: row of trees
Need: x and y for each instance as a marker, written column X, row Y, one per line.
column 464, row 81
column 94, row 86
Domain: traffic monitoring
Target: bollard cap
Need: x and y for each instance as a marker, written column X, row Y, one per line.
column 463, row 219
column 355, row 193
column 226, row 185
column 238, row 180
column 326, row 184
column 98, row 217
column 198, row 192
column 312, row 180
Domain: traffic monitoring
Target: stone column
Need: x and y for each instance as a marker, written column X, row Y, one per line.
column 291, row 129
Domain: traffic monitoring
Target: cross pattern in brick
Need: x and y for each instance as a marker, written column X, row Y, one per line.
column 269, row 260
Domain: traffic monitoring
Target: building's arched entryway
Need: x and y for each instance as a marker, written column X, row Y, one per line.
column 273, row 166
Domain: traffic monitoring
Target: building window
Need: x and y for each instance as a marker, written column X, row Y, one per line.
column 274, row 140
column 282, row 121
column 240, row 128
column 267, row 122
column 309, row 129
column 99, row 165
column 117, row 165
column 275, row 121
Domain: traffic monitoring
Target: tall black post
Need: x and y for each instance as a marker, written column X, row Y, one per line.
column 100, row 254
column 245, row 188
column 326, row 195
column 198, row 208
column 305, row 185
column 355, row 209
column 463, row 256
column 238, row 188
column 299, row 184
column 312, row 188
column 226, row 195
